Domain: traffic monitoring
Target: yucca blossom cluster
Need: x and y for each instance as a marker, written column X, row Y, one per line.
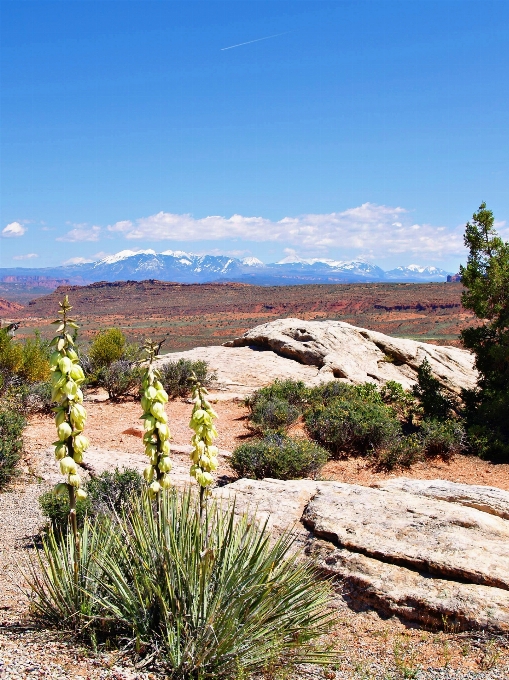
column 157, row 432
column 70, row 416
column 204, row 453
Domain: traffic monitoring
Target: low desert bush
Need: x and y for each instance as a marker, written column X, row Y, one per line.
column 119, row 379
column 275, row 407
column 353, row 426
column 294, row 392
column 400, row 452
column 203, row 597
column 22, row 363
column 12, row 423
column 442, row 438
column 36, row 397
column 176, row 376
column 108, row 346
column 403, row 403
column 56, row 510
column 109, row 492
column 272, row 414
column 279, row 457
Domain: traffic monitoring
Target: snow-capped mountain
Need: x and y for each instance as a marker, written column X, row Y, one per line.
column 415, row 272
column 183, row 267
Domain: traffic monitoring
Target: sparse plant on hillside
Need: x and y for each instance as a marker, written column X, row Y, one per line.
column 272, row 414
column 351, row 425
column 108, row 493
column 157, row 432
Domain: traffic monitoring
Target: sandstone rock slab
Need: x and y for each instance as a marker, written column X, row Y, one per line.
column 423, row 534
column 414, row 596
column 358, row 355
column 278, row 503
column 242, row 370
column 488, row 499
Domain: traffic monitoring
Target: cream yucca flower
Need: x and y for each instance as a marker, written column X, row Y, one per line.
column 157, row 432
column 204, row 453
column 70, row 415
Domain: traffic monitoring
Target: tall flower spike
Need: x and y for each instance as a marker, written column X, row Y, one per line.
column 155, row 420
column 70, row 416
column 204, row 453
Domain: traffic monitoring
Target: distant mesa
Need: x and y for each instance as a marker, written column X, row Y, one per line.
column 8, row 306
column 182, row 267
column 454, row 278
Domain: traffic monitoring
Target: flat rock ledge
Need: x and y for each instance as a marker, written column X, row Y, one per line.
column 424, row 559
column 486, row 498
column 357, row 355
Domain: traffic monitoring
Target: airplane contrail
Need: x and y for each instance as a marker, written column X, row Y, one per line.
column 253, row 41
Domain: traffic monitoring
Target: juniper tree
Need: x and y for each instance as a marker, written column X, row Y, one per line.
column 486, row 281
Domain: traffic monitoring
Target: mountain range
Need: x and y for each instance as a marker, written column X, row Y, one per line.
column 183, row 267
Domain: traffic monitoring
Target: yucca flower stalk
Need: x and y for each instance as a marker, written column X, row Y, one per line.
column 70, row 415
column 155, row 420
column 204, row 453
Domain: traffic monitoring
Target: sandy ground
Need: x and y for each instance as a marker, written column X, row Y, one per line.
column 368, row 645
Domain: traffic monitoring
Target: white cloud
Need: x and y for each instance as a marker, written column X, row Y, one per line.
column 77, row 260
column 384, row 229
column 81, row 232
column 28, row 256
column 13, row 230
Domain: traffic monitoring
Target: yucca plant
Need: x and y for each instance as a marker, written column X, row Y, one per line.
column 57, row 596
column 212, row 595
column 155, row 422
column 204, row 454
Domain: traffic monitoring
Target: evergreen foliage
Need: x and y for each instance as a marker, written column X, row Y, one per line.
column 486, row 281
column 434, row 402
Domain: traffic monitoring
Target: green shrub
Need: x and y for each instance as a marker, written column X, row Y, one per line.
column 119, row 378
column 176, row 376
column 402, row 402
column 442, row 438
column 204, row 598
column 35, row 360
column 113, row 491
column 400, row 452
column 37, row 397
column 434, row 402
column 108, row 346
column 272, row 414
column 56, row 510
column 294, row 392
column 279, row 457
column 12, row 424
column 22, row 362
column 353, row 426
column 107, row 493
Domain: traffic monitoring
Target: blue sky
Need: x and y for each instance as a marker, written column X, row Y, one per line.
column 362, row 129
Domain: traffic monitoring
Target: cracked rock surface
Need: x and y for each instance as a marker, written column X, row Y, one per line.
column 423, row 559
column 358, row 355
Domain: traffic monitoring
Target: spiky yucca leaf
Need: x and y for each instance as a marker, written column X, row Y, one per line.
column 214, row 595
column 56, row 594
